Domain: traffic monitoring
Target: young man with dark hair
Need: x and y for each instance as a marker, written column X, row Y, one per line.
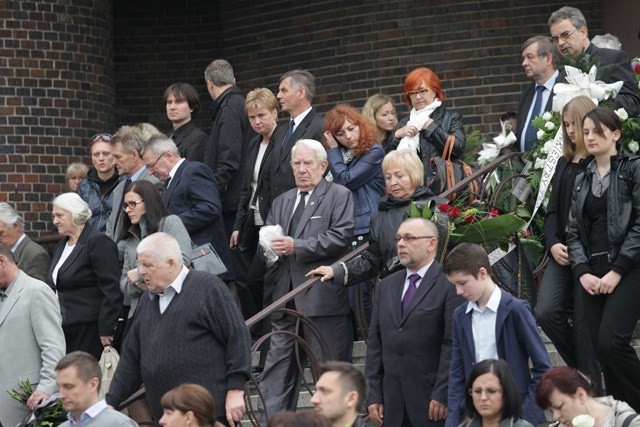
column 492, row 325
column 182, row 103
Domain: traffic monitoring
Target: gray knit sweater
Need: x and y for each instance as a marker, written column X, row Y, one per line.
column 200, row 338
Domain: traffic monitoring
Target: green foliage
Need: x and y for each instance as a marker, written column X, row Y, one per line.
column 492, row 230
column 472, row 146
column 51, row 415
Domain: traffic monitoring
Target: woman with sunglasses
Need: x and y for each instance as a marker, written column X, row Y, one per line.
column 493, row 399
column 145, row 215
column 429, row 123
column 97, row 188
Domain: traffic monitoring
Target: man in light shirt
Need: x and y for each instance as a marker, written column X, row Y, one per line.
column 78, row 376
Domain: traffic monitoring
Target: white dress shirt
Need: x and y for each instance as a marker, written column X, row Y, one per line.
column 483, row 326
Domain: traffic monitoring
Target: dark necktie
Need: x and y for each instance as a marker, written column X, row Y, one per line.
column 297, row 214
column 3, row 294
column 287, row 135
column 530, row 137
column 411, row 291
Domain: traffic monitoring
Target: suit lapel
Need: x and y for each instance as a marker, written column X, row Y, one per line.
column 426, row 284
column 467, row 332
column 300, row 129
column 76, row 249
column 12, row 298
column 18, row 253
column 503, row 311
column 175, row 181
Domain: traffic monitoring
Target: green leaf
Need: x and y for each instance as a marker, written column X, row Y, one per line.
column 493, row 230
column 413, row 211
column 426, row 212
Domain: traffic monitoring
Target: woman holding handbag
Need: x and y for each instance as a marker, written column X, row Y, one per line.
column 429, row 124
column 145, row 215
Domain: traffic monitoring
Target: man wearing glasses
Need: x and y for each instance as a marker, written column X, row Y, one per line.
column 569, row 33
column 409, row 347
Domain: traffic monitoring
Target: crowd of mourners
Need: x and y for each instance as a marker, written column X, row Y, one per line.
column 279, row 203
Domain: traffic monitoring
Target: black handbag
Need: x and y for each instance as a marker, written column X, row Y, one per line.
column 205, row 258
column 446, row 173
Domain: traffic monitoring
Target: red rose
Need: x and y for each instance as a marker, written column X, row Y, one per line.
column 454, row 212
column 493, row 212
column 444, row 207
column 470, row 219
column 636, row 67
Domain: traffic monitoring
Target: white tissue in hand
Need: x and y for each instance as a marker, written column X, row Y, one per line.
column 267, row 234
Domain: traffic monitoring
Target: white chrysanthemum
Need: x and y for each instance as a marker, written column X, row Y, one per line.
column 549, row 125
column 547, row 146
column 634, row 146
column 539, row 164
column 540, row 134
column 547, row 116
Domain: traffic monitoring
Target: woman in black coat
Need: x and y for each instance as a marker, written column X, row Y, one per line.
column 429, row 123
column 85, row 274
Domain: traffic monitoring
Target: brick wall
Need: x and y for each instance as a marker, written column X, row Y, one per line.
column 57, row 86
column 56, row 89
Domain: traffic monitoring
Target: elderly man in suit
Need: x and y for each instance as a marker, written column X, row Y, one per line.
column 409, row 347
column 318, row 217
column 569, row 32
column 295, row 93
column 191, row 194
column 187, row 330
column 540, row 62
column 127, row 146
column 31, row 337
column 30, row 257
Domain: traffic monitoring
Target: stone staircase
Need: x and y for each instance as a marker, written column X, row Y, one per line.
column 359, row 355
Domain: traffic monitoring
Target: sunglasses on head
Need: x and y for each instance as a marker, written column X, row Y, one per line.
column 101, row 137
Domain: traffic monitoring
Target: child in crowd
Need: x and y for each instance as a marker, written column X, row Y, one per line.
column 492, row 325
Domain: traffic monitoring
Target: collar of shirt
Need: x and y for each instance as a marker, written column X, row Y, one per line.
column 20, row 239
column 492, row 304
column 175, row 168
column 136, row 175
column 89, row 414
column 7, row 290
column 175, row 286
column 550, row 82
column 300, row 117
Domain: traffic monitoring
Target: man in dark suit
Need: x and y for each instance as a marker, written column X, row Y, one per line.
column 318, row 218
column 30, row 257
column 182, row 103
column 127, row 146
column 191, row 194
column 31, row 337
column 409, row 348
column 540, row 62
column 569, row 32
column 296, row 91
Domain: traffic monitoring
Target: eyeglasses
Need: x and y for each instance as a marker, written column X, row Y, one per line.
column 409, row 239
column 154, row 163
column 563, row 36
column 131, row 205
column 101, row 137
column 422, row 92
column 489, row 391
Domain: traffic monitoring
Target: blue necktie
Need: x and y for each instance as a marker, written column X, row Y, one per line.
column 530, row 137
column 287, row 136
column 411, row 291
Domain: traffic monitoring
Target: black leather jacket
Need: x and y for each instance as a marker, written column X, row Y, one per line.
column 380, row 257
column 434, row 137
column 623, row 216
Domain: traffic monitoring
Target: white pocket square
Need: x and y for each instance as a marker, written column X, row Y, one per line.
column 315, row 217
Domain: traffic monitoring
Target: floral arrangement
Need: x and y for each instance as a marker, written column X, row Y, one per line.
column 630, row 131
column 547, row 125
column 48, row 414
column 491, row 150
column 635, row 64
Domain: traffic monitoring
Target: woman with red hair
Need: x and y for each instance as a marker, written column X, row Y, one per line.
column 429, row 123
column 355, row 161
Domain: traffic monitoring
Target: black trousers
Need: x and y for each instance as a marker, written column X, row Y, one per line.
column 83, row 337
column 612, row 320
column 560, row 313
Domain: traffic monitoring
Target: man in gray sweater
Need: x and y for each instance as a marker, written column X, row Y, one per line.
column 78, row 376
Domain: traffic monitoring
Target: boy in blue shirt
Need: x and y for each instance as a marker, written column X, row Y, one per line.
column 492, row 325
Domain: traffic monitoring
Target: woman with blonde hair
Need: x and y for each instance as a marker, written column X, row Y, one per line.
column 380, row 111
column 76, row 172
column 558, row 303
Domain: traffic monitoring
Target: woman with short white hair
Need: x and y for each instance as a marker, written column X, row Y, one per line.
column 85, row 274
